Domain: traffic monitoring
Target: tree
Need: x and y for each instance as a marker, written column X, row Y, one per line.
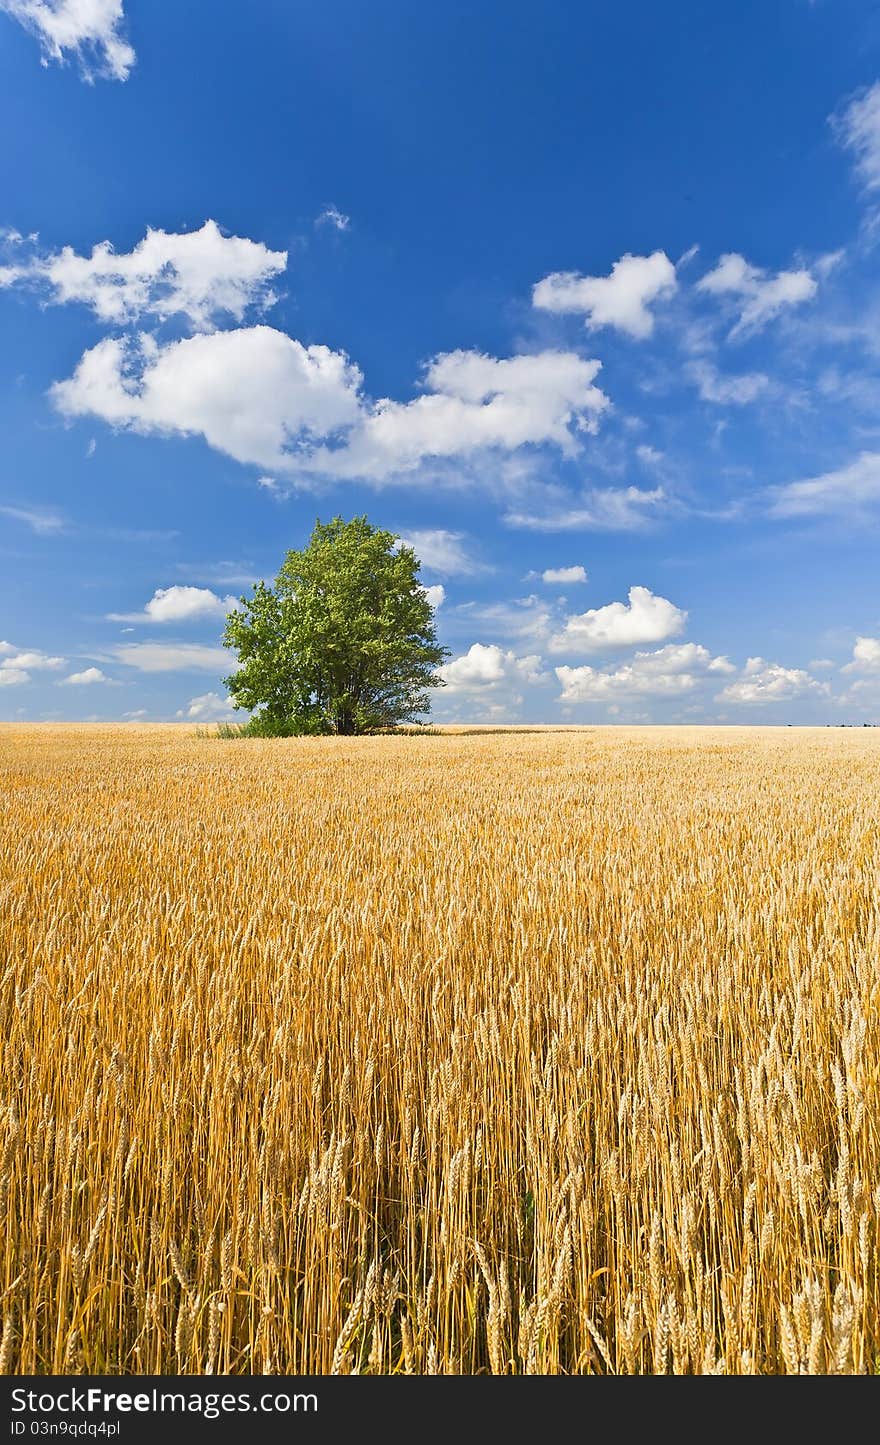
column 344, row 642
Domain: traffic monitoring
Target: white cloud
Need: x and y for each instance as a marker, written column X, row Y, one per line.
column 179, row 604
column 436, row 595
column 263, row 398
column 649, row 456
column 471, row 403
column 864, row 694
column 770, row 682
column 31, row 661
column 668, row 672
column 39, row 519
column 16, row 665
column 646, row 618
column 225, row 574
column 90, row 30
column 332, row 216
column 254, row 393
column 201, row 275
column 847, row 489
column 726, row 390
column 484, row 667
column 172, row 657
column 565, row 575
column 760, row 296
column 525, row 617
column 858, row 129
column 84, row 679
column 620, row 300
column 598, row 509
column 442, row 552
column 209, row 707
column 866, row 656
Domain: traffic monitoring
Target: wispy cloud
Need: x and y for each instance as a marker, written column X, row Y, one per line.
column 857, row 127
column 172, row 657
column 444, row 553
column 41, row 520
column 850, row 491
column 598, row 509
column 332, row 216
column 757, row 295
column 738, row 390
column 88, row 30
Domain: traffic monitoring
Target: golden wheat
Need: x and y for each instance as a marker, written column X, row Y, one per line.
column 549, row 1052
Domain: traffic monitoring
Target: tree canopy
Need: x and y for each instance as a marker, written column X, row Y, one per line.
column 343, row 643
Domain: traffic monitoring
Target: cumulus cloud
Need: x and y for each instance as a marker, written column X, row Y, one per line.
column 758, row 294
column 597, row 509
column 209, row 707
column 17, row 664
column 471, row 403
column 726, row 390
column 254, row 393
column 442, row 552
column 34, row 661
column 565, row 575
column 483, row 667
column 179, row 604
column 645, row 618
column 866, row 656
column 436, row 595
column 172, row 657
column 621, row 300
column 850, row 489
column 84, row 679
column 668, row 672
column 89, row 30
column 858, row 130
column 202, row 275
column 770, row 682
column 262, row 397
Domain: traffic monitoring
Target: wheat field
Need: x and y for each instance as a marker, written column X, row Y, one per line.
column 549, row 1052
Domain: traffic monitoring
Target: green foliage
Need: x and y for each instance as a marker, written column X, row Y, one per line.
column 343, row 643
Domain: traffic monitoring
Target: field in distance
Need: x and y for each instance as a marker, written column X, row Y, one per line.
column 548, row 1052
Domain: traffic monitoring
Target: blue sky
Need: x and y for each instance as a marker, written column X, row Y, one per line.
column 583, row 301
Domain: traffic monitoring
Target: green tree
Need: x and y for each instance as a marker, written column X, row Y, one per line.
column 343, row 643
